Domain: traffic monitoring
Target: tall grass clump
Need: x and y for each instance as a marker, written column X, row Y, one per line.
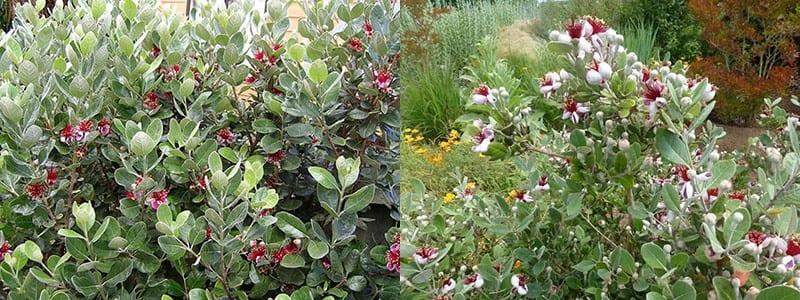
column 431, row 101
column 640, row 38
column 470, row 21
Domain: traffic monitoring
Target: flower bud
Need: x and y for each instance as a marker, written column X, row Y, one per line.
column 554, row 35
column 624, row 144
column 668, row 248
column 725, row 185
column 711, row 219
column 738, row 217
column 632, row 58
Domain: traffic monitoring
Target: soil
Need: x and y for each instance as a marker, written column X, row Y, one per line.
column 737, row 137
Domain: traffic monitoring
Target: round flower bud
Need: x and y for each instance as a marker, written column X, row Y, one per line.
column 714, row 156
column 725, row 185
column 624, row 144
column 463, row 268
column 686, row 101
column 554, row 35
column 625, row 122
column 632, row 58
column 475, row 268
column 609, row 123
column 297, row 242
column 453, row 238
column 738, row 217
column 711, row 219
column 668, row 248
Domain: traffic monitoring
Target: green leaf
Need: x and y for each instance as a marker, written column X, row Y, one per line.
column 348, row 170
column 98, row 8
column 187, row 87
column 621, row 258
column 317, row 249
column 724, row 288
column 28, row 72
column 734, row 231
column 42, row 277
column 779, row 292
column 298, row 130
column 654, row 296
column 129, row 9
column 722, row 170
column 142, row 144
column 671, row 198
column 291, row 225
column 79, row 87
column 654, row 256
column 171, row 246
column 323, row 177
column 293, row 261
column 32, row 251
column 357, row 283
column 88, row 43
column 69, row 233
column 164, row 214
column 318, row 71
column 683, row 290
column 360, row 199
column 672, row 147
column 297, row 52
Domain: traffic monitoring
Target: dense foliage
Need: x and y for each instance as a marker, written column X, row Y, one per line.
column 754, row 52
column 626, row 196
column 211, row 158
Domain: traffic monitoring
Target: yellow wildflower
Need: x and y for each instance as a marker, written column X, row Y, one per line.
column 420, row 151
column 449, row 198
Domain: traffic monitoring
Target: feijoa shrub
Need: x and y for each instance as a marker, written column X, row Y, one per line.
column 145, row 155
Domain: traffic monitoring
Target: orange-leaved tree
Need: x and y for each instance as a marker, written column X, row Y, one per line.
column 754, row 56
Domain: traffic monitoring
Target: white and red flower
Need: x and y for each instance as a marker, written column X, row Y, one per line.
column 484, row 136
column 383, row 78
column 276, row 157
column 104, row 126
column 5, row 248
column 653, row 96
column 225, row 137
column 549, row 83
column 425, row 254
column 36, row 190
column 151, row 101
column 356, row 45
column 155, row 51
column 474, row 281
column 710, row 195
column 542, row 184
column 84, row 128
column 289, row 248
column 573, row 110
column 368, row 30
column 158, row 198
column 258, row 251
column 201, row 184
column 482, row 95
column 69, row 134
column 448, row 285
column 519, row 283
column 250, row 79
column 598, row 73
column 393, row 256
column 260, row 56
column 52, row 176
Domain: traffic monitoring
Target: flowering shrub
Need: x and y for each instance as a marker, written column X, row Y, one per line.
column 628, row 198
column 212, row 158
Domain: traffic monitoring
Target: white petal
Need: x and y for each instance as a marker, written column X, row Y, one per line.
column 594, row 77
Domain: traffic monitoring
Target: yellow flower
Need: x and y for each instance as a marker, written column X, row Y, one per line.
column 407, row 130
column 449, row 198
column 420, row 151
column 518, row 265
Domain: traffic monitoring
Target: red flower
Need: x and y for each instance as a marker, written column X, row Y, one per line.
column 81, row 152
column 155, row 52
column 5, row 248
column 383, row 78
column 682, row 172
column 264, row 212
column 737, row 195
column 84, row 127
column 131, row 196
column 151, row 101
column 756, row 236
column 276, row 91
column 259, row 56
column 70, row 134
column 250, row 79
column 225, row 137
column 277, row 47
column 598, row 25
column 258, row 250
column 52, row 176
column 326, row 262
column 273, row 60
column 652, row 91
column 793, row 247
column 393, row 257
column 368, row 29
column 104, row 126
column 200, row 184
column 208, row 232
column 276, row 157
column 35, row 190
column 356, row 45
column 158, row 198
column 290, row 248
column 575, row 29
